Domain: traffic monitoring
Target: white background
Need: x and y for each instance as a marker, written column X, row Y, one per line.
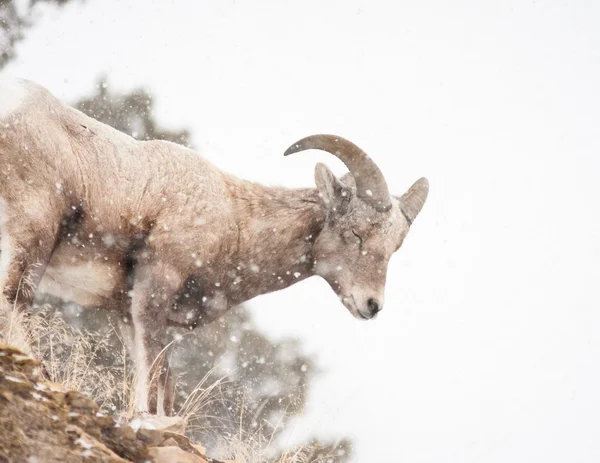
column 488, row 348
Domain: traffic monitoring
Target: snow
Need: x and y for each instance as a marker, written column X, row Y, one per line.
column 487, row 347
column 83, row 443
column 136, row 424
column 38, row 396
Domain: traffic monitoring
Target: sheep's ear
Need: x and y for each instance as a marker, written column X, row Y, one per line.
column 413, row 200
column 336, row 196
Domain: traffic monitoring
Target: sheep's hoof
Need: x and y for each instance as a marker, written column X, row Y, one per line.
column 145, row 420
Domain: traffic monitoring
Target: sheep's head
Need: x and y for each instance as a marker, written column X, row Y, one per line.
column 364, row 224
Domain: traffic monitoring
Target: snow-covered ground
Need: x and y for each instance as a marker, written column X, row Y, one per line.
column 488, row 347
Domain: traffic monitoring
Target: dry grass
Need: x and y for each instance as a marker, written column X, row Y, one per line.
column 254, row 449
column 201, row 397
column 13, row 322
column 76, row 360
column 257, row 446
column 13, row 328
column 69, row 357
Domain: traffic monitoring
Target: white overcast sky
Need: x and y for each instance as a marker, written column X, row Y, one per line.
column 488, row 348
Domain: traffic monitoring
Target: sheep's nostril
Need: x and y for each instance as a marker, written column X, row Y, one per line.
column 374, row 307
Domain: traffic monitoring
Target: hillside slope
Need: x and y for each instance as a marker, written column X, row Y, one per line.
column 42, row 422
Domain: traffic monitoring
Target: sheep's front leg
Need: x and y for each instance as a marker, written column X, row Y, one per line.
column 154, row 289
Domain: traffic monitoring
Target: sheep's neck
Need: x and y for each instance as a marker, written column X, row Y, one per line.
column 277, row 228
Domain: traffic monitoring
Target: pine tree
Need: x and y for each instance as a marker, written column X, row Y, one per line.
column 15, row 17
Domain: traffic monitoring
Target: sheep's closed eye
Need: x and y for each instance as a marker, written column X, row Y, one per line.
column 359, row 239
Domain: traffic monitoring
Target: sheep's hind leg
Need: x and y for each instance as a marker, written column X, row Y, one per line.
column 26, row 246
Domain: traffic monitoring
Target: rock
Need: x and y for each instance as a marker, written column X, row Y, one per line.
column 87, row 447
column 199, row 448
column 77, row 401
column 170, row 442
column 152, row 437
column 174, row 455
column 41, row 421
column 184, row 443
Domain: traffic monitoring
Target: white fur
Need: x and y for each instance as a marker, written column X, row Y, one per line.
column 87, row 284
column 160, row 399
column 141, row 387
column 136, row 351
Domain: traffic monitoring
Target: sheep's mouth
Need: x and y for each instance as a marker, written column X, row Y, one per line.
column 363, row 316
column 351, row 305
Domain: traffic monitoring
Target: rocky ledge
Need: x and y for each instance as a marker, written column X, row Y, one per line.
column 42, row 422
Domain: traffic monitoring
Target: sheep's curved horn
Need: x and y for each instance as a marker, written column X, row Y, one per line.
column 370, row 183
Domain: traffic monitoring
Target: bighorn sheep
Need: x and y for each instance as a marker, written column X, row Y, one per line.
column 156, row 231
